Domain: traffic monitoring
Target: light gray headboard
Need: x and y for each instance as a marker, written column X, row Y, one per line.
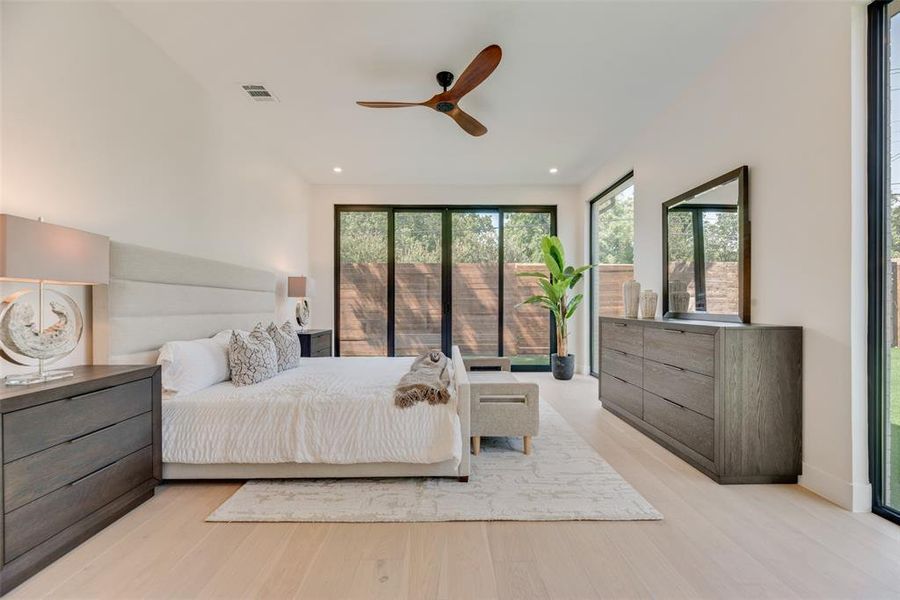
column 154, row 297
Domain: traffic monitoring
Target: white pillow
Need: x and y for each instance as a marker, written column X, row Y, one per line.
column 252, row 356
column 192, row 365
column 287, row 345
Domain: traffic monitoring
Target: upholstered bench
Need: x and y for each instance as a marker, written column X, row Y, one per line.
column 502, row 405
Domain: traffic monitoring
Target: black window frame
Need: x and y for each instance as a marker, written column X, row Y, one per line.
column 446, row 261
column 878, row 181
column 593, row 322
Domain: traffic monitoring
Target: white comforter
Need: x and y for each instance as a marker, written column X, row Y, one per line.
column 327, row 410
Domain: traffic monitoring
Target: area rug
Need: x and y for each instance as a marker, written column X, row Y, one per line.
column 564, row 479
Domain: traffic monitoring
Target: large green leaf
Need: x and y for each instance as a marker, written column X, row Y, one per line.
column 550, row 259
column 573, row 304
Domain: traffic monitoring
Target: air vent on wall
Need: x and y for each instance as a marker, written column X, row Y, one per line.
column 259, row 93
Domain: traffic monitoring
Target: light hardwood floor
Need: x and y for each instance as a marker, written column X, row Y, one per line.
column 715, row 541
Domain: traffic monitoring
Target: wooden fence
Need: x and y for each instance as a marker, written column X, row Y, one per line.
column 417, row 297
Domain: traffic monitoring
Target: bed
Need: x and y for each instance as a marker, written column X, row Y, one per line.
column 329, row 417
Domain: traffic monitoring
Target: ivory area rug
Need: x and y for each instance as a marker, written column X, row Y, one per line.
column 564, row 479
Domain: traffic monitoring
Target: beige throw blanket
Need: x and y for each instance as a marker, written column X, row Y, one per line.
column 428, row 381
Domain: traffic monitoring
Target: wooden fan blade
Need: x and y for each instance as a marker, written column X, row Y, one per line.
column 388, row 104
column 477, row 71
column 469, row 123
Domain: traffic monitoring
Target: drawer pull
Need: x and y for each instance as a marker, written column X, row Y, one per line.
column 674, row 330
column 673, row 367
column 617, row 378
column 621, row 324
column 89, row 475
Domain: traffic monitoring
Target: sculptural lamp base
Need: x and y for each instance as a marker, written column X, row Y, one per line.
column 25, row 341
column 37, row 377
column 301, row 311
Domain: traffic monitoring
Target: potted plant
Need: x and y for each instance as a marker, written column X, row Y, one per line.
column 556, row 299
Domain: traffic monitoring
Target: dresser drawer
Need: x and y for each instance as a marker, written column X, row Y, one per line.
column 622, row 365
column 691, row 429
column 39, row 474
column 28, row 526
column 622, row 394
column 692, row 351
column 33, row 429
column 626, row 337
column 692, row 390
column 324, row 353
column 320, row 343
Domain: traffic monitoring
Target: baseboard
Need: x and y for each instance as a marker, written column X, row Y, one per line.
column 856, row 497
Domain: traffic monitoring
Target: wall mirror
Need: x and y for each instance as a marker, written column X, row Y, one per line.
column 706, row 251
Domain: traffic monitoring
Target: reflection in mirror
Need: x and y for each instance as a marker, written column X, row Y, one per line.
column 704, row 261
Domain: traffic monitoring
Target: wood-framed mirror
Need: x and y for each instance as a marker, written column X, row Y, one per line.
column 706, row 251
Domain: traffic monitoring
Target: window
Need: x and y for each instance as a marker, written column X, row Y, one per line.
column 612, row 253
column 884, row 257
column 412, row 278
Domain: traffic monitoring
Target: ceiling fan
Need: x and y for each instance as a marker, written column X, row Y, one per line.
column 447, row 102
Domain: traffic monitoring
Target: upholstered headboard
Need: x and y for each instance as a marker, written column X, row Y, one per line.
column 154, row 297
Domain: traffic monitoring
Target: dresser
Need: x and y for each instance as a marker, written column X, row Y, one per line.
column 77, row 454
column 315, row 342
column 725, row 397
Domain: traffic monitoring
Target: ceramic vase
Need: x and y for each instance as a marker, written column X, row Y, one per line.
column 679, row 301
column 679, row 297
column 649, row 299
column 631, row 298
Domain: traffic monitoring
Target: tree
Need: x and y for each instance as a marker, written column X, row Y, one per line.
column 614, row 224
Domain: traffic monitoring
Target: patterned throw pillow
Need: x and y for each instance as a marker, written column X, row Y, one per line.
column 287, row 344
column 252, row 356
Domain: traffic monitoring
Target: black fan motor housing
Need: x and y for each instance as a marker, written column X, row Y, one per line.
column 444, row 79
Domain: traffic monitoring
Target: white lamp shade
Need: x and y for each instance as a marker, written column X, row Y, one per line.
column 36, row 251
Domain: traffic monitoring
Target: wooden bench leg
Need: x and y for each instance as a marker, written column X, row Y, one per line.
column 476, row 444
column 527, row 444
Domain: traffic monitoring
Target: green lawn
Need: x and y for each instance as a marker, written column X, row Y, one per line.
column 895, row 386
column 894, row 465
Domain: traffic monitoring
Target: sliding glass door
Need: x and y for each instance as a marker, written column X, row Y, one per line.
column 413, row 278
column 475, row 287
column 417, row 282
column 884, row 257
column 362, row 282
column 611, row 253
column 524, row 327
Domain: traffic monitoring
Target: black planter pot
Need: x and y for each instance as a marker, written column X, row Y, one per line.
column 563, row 366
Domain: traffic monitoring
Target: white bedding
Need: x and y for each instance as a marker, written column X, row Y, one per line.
column 327, row 410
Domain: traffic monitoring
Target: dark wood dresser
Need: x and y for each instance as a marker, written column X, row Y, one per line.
column 725, row 397
column 78, row 453
column 315, row 342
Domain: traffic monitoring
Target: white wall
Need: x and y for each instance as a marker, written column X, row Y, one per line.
column 103, row 132
column 321, row 225
column 780, row 103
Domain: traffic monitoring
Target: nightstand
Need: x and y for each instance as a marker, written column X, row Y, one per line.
column 77, row 454
column 315, row 342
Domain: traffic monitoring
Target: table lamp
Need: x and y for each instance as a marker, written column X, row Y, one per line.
column 32, row 251
column 297, row 288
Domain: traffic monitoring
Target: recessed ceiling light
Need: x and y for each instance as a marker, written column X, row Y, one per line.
column 554, row 170
column 338, row 170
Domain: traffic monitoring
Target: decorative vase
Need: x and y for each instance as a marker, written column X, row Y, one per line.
column 679, row 302
column 649, row 299
column 679, row 298
column 563, row 366
column 631, row 294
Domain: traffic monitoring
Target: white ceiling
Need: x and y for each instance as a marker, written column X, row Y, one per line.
column 577, row 80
